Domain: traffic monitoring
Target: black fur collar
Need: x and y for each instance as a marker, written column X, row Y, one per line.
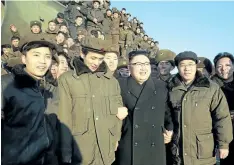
column 81, row 68
column 200, row 81
column 22, row 78
column 220, row 81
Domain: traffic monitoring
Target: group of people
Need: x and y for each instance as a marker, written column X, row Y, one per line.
column 70, row 96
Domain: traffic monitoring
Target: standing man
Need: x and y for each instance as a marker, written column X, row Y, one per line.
column 165, row 63
column 91, row 106
column 142, row 140
column 26, row 135
column 115, row 28
column 202, row 121
column 15, row 43
column 95, row 17
column 224, row 68
column 205, row 66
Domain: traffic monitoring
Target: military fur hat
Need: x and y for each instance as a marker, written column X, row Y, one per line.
column 205, row 63
column 186, row 55
column 30, row 43
column 165, row 55
column 112, row 48
column 122, row 63
column 223, row 55
column 115, row 10
column 38, row 23
column 95, row 45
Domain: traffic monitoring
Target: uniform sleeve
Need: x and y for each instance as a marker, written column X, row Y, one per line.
column 89, row 16
column 100, row 17
column 222, row 124
column 119, row 104
column 65, row 117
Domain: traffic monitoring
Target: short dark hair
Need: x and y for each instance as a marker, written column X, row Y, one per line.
column 60, row 15
column 133, row 54
column 64, row 34
column 15, row 38
column 223, row 55
column 95, row 33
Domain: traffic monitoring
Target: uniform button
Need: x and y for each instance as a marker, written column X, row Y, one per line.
column 136, row 126
column 135, row 144
column 129, row 92
column 185, row 99
column 137, row 108
column 153, row 107
column 185, row 126
column 155, row 92
column 153, row 144
column 93, row 96
column 153, row 126
column 96, row 118
column 185, row 154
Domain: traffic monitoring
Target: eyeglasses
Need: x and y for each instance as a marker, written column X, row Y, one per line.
column 138, row 64
column 187, row 66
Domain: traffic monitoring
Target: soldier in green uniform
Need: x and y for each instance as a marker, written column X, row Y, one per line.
column 165, row 63
column 125, row 39
column 91, row 106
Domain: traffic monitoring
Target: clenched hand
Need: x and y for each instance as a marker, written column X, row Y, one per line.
column 223, row 153
column 122, row 113
column 167, row 136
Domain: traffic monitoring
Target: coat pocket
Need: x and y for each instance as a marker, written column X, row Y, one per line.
column 205, row 146
column 112, row 140
column 80, row 115
column 111, row 105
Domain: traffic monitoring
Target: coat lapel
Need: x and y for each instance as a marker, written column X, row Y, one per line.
column 148, row 91
column 133, row 87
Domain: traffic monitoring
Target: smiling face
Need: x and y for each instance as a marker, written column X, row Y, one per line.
column 37, row 61
column 187, row 70
column 35, row 29
column 165, row 67
column 224, row 68
column 52, row 26
column 62, row 66
column 140, row 68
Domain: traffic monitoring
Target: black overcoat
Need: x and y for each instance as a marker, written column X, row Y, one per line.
column 142, row 140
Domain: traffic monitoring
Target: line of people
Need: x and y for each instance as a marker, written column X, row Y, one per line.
column 68, row 97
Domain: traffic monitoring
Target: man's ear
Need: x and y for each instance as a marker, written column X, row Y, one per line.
column 82, row 55
column 23, row 57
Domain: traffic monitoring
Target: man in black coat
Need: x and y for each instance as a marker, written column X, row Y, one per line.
column 27, row 137
column 142, row 140
column 224, row 68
